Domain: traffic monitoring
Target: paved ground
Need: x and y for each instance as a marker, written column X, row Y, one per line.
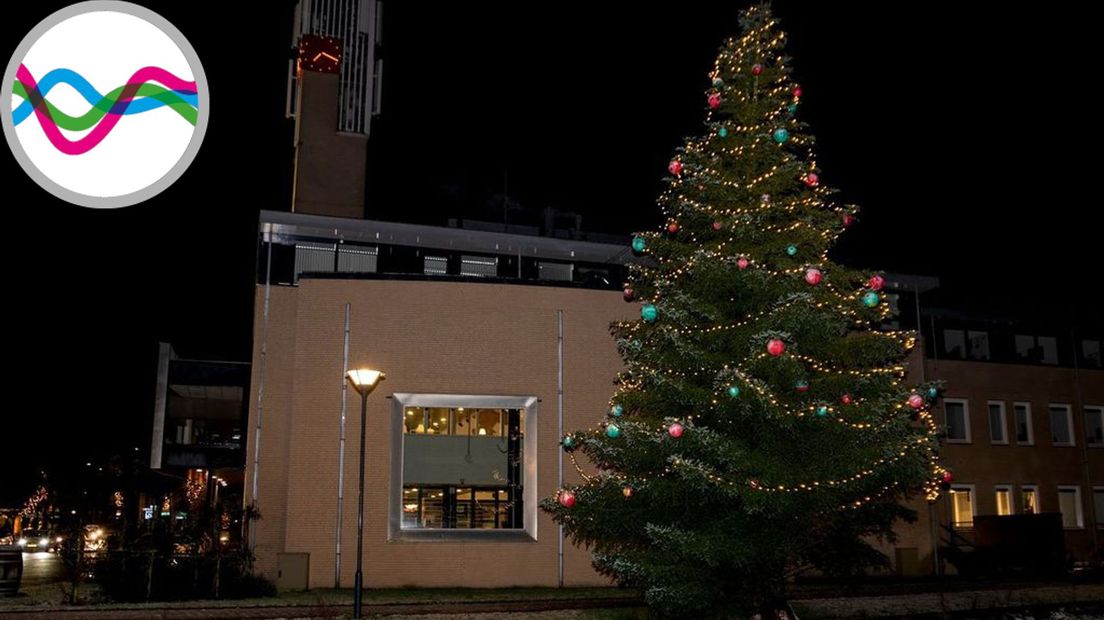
column 41, row 569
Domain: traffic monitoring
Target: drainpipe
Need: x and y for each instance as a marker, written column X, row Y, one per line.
column 267, row 237
column 341, row 453
column 1079, row 405
column 560, row 431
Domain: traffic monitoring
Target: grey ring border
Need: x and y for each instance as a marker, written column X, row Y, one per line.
column 158, row 186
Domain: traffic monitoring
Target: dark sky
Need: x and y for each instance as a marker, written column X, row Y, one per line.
column 954, row 125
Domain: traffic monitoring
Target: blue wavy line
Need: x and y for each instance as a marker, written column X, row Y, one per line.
column 91, row 95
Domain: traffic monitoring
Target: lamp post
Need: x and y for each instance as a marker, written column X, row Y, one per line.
column 364, row 381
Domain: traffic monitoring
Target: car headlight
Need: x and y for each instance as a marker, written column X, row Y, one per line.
column 22, row 542
column 44, row 541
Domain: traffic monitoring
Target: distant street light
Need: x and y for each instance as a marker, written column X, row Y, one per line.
column 364, row 381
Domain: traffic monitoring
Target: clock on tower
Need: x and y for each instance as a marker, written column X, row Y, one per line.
column 319, row 53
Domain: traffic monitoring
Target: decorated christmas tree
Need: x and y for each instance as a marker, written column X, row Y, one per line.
column 762, row 423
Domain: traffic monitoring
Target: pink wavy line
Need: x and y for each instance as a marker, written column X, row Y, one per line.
column 107, row 123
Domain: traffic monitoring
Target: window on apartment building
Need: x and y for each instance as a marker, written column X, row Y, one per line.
column 1098, row 506
column 1069, row 503
column 1025, row 431
column 466, row 464
column 1061, row 425
column 954, row 343
column 958, row 420
column 1039, row 349
column 1004, row 499
column 962, row 505
column 435, row 266
column 478, row 266
column 978, row 344
column 1090, row 353
column 1029, row 497
column 1094, row 427
column 998, row 427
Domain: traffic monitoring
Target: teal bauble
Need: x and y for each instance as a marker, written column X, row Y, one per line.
column 781, row 135
column 568, row 443
column 933, row 392
column 616, row 411
column 613, row 431
column 792, row 108
column 722, row 132
column 638, row 244
column 718, row 82
column 649, row 313
column 791, row 249
column 733, row 391
column 822, row 410
column 870, row 299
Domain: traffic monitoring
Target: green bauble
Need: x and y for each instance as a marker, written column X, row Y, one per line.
column 781, row 135
column 933, row 392
column 616, row 411
column 870, row 299
column 613, row 431
column 733, row 391
column 822, row 410
column 638, row 244
column 649, row 313
column 722, row 132
column 792, row 108
column 791, row 249
column 718, row 82
column 568, row 443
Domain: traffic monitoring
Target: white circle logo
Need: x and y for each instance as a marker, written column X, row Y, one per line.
column 104, row 104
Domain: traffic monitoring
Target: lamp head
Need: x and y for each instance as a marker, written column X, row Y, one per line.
column 364, row 380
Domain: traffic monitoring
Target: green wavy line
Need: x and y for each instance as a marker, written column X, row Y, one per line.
column 103, row 106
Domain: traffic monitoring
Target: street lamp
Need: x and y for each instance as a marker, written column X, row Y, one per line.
column 364, row 381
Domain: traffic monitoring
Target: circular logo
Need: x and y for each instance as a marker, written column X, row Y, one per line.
column 104, row 104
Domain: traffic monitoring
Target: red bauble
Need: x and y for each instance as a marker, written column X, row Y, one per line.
column 813, row 276
column 714, row 101
column 796, row 91
column 629, row 294
column 948, row 477
column 848, row 220
column 566, row 499
column 675, row 430
column 672, row 227
column 757, row 69
column 812, row 180
column 875, row 283
column 742, row 263
column 675, row 168
column 776, row 347
column 916, row 401
column 716, row 225
column 846, row 399
column 753, row 483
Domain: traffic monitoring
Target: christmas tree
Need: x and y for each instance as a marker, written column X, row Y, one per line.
column 762, row 423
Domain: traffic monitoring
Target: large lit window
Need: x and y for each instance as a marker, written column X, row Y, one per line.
column 1094, row 427
column 467, row 467
column 998, row 432
column 1069, row 502
column 1029, row 494
column 1004, row 499
column 1061, row 425
column 958, row 421
column 962, row 505
column 1025, row 432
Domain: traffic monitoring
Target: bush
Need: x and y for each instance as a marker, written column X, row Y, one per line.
column 126, row 576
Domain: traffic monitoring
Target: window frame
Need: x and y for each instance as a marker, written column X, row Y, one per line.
column 997, row 488
column 1003, row 422
column 1098, row 515
column 965, row 420
column 528, row 404
column 1034, row 488
column 1030, row 424
column 1079, row 509
column 1087, row 410
column 1069, row 425
column 973, row 505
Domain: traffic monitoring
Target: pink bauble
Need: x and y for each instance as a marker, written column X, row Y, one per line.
column 673, row 227
column 566, row 499
column 776, row 347
column 675, row 168
column 848, row 220
column 813, row 276
column 796, row 91
column 812, row 180
column 629, row 294
column 757, row 69
column 846, row 399
column 714, row 101
column 916, row 401
column 875, row 283
column 742, row 263
column 675, row 430
column 716, row 225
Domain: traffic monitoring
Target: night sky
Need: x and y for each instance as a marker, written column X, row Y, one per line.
column 954, row 125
